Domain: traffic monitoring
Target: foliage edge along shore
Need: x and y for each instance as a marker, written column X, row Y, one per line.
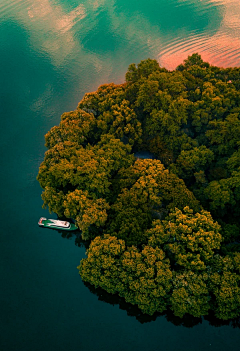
column 164, row 231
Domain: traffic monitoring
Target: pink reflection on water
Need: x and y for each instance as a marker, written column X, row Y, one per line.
column 221, row 49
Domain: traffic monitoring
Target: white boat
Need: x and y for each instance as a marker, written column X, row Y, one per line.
column 56, row 224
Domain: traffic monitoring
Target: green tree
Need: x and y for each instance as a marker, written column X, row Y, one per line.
column 189, row 239
column 86, row 210
column 190, row 294
column 141, row 277
column 224, row 283
column 193, row 161
column 102, row 266
column 143, row 70
column 147, row 187
column 147, row 277
column 75, row 126
column 225, row 134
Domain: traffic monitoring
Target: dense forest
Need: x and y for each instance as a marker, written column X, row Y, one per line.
column 164, row 231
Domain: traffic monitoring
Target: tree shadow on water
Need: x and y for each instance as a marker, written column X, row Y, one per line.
column 76, row 235
column 133, row 311
column 187, row 321
column 234, row 323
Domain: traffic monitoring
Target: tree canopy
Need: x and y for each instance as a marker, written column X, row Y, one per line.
column 164, row 231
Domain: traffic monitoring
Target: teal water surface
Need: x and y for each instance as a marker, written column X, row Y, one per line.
column 52, row 52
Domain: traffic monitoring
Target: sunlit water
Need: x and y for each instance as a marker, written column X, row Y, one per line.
column 52, row 52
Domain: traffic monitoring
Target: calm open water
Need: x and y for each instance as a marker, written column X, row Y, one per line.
column 51, row 53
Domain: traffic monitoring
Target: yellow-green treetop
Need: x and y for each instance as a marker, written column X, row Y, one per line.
column 141, row 277
column 190, row 239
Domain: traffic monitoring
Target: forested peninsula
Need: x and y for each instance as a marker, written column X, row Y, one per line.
column 164, row 231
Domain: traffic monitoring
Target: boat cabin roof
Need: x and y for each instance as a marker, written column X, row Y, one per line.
column 58, row 223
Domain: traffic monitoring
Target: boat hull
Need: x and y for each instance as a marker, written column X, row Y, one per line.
column 56, row 224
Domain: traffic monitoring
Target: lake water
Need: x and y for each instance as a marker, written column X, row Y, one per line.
column 52, row 52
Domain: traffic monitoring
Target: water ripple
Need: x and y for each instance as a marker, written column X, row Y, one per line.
column 221, row 47
column 8, row 8
column 109, row 35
